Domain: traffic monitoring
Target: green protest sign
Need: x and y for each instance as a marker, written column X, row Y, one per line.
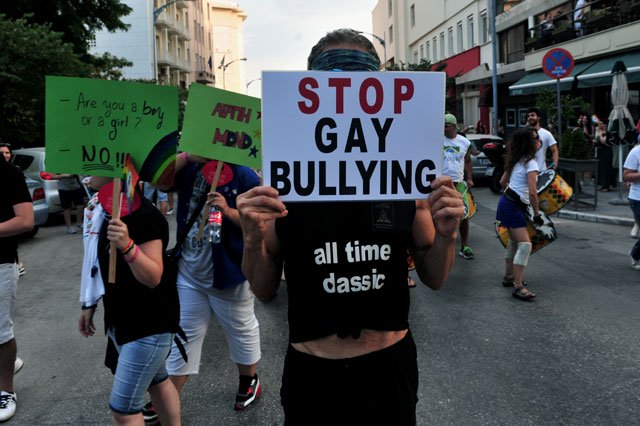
column 222, row 125
column 91, row 126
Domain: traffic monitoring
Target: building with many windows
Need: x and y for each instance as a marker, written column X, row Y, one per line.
column 458, row 33
column 179, row 42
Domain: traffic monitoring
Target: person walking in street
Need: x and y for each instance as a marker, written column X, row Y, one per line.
column 456, row 163
column 71, row 194
column 631, row 173
column 210, row 279
column 16, row 217
column 520, row 179
column 351, row 358
column 546, row 139
column 141, row 309
column 5, row 150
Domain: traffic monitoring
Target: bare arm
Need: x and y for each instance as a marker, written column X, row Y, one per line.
column 434, row 230
column 629, row 175
column 145, row 261
column 555, row 155
column 218, row 200
column 504, row 180
column 22, row 222
column 468, row 167
column 258, row 208
column 532, row 179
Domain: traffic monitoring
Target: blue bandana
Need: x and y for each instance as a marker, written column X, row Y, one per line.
column 345, row 60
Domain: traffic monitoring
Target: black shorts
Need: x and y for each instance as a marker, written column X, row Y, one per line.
column 380, row 388
column 67, row 197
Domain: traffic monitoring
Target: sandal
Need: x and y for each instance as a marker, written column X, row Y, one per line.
column 604, row 189
column 508, row 282
column 523, row 293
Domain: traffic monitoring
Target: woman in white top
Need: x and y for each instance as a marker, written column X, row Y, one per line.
column 521, row 174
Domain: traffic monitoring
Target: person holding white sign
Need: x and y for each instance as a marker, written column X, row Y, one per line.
column 351, row 357
column 456, row 163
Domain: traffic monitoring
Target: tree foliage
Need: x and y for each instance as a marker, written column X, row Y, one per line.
column 29, row 53
column 571, row 106
column 77, row 20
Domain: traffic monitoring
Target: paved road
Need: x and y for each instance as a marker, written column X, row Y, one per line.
column 570, row 357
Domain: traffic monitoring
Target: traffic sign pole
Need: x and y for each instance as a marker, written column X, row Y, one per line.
column 558, row 63
column 559, row 109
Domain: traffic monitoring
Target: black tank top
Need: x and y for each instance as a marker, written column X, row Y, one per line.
column 346, row 267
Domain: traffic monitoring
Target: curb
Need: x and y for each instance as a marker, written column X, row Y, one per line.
column 590, row 217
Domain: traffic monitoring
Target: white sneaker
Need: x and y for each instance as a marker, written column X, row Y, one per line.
column 7, row 405
column 635, row 231
column 635, row 264
column 170, row 212
column 17, row 365
column 71, row 230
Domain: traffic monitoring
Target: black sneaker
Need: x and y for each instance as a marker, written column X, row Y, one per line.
column 249, row 390
column 149, row 413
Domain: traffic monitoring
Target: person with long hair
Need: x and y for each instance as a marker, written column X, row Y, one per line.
column 520, row 179
column 141, row 309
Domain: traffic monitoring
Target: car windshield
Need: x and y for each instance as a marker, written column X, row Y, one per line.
column 22, row 161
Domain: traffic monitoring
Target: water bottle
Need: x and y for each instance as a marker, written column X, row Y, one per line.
column 215, row 225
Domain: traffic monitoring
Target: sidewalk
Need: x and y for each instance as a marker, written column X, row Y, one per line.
column 605, row 212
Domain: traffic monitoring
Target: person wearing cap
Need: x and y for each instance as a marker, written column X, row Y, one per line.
column 456, row 163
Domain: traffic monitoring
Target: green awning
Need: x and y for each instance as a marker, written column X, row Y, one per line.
column 535, row 82
column 600, row 73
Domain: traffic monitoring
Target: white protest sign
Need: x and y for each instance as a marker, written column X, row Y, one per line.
column 330, row 136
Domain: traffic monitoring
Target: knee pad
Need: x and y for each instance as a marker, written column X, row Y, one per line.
column 510, row 250
column 522, row 254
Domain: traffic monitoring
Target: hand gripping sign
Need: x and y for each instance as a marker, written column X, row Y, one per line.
column 352, row 135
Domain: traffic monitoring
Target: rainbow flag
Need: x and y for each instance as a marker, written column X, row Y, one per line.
column 159, row 168
column 130, row 181
column 595, row 119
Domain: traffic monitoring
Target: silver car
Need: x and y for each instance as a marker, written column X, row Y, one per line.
column 482, row 167
column 40, row 208
column 31, row 162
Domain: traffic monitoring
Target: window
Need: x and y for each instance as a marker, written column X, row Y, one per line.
column 450, row 40
column 427, row 51
column 484, row 28
column 415, row 56
column 459, row 36
column 390, row 34
column 412, row 15
column 390, row 7
column 435, row 49
column 470, row 30
column 442, row 46
column 421, row 51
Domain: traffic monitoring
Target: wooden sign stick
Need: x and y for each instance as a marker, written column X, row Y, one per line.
column 115, row 214
column 214, row 185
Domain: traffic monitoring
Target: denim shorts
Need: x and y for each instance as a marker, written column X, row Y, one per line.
column 140, row 366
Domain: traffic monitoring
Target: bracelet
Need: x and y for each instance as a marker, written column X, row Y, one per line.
column 128, row 248
column 134, row 256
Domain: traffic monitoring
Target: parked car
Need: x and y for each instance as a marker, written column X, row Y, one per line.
column 31, row 162
column 482, row 168
column 40, row 208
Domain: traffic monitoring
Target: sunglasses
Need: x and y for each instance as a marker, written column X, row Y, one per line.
column 2, row 145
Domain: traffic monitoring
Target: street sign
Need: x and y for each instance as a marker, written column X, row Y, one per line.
column 557, row 63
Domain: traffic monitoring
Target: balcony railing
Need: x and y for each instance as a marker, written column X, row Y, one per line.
column 205, row 77
column 599, row 15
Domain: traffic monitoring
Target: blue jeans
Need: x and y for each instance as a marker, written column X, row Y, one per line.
column 141, row 364
column 635, row 208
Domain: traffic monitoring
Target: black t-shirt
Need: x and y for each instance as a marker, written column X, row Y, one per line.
column 133, row 309
column 13, row 190
column 346, row 267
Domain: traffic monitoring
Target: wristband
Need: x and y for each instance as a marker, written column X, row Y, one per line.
column 128, row 248
column 134, row 256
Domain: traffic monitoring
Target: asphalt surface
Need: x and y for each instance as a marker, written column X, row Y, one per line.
column 570, row 357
